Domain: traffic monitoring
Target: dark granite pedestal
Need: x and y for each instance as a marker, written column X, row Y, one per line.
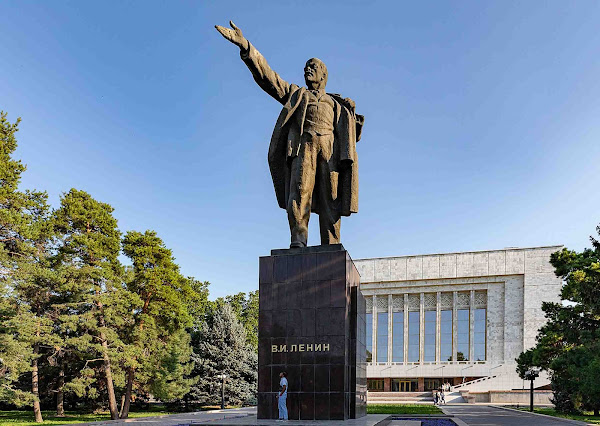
column 312, row 325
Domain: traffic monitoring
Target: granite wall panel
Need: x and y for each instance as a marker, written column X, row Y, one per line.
column 312, row 325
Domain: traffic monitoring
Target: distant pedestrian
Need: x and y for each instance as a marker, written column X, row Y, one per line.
column 442, row 397
column 435, row 398
column 282, row 396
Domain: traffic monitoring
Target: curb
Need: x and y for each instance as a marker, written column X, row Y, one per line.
column 575, row 422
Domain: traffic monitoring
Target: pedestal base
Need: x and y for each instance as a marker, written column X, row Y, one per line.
column 312, row 325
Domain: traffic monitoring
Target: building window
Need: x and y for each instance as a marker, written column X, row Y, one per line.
column 413, row 336
column 430, row 325
column 382, row 337
column 375, row 384
column 446, row 335
column 398, row 337
column 369, row 337
column 479, row 334
column 432, row 384
column 462, row 335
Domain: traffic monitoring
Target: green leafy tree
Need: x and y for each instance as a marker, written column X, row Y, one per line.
column 97, row 305
column 221, row 347
column 159, row 347
column 568, row 345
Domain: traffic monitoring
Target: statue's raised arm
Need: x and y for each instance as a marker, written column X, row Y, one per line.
column 234, row 35
column 266, row 78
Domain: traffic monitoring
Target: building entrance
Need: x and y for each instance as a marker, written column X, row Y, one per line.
column 399, row 385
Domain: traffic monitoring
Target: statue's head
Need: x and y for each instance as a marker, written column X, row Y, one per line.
column 315, row 74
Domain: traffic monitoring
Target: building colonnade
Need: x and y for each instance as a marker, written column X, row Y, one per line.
column 427, row 328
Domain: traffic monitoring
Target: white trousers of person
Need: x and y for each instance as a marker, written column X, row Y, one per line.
column 281, row 404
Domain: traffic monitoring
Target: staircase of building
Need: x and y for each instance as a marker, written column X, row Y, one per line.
column 423, row 398
column 454, row 398
column 467, row 385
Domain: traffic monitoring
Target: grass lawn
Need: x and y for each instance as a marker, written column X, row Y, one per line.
column 402, row 409
column 587, row 417
column 25, row 418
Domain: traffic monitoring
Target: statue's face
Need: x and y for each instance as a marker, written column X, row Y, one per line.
column 315, row 74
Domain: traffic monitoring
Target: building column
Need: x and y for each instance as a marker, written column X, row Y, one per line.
column 405, row 327
column 387, row 384
column 454, row 325
column 421, row 385
column 374, row 331
column 421, row 328
column 390, row 325
column 471, row 325
column 438, row 327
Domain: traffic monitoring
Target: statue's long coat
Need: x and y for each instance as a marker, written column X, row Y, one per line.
column 285, row 141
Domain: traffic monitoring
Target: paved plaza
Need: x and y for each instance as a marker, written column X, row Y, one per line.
column 464, row 414
column 483, row 415
column 212, row 417
column 235, row 416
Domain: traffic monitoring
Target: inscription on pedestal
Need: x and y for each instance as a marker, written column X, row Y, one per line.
column 312, row 325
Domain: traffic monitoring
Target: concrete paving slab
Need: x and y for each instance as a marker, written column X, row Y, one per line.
column 197, row 417
column 478, row 415
column 235, row 416
column 368, row 420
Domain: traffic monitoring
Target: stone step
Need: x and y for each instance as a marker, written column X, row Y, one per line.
column 403, row 394
column 415, row 400
column 400, row 401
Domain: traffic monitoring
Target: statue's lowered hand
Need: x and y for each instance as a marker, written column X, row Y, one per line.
column 234, row 35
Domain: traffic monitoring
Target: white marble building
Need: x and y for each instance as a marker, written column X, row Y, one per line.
column 455, row 317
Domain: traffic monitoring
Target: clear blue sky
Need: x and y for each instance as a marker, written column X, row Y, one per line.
column 482, row 120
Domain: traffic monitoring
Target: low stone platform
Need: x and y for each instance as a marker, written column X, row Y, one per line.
column 368, row 420
column 234, row 416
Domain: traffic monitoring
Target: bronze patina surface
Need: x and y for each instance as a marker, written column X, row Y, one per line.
column 312, row 155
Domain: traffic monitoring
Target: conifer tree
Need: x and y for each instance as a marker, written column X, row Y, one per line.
column 220, row 347
column 159, row 349
column 568, row 345
column 15, row 354
column 25, row 277
column 98, row 305
column 246, row 311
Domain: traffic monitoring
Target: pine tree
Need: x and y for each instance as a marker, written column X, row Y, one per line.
column 97, row 305
column 15, row 354
column 25, row 277
column 220, row 347
column 159, row 349
column 568, row 345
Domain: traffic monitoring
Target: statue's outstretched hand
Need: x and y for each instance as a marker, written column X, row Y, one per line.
column 234, row 35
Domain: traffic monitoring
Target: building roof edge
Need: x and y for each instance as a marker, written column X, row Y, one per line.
column 463, row 252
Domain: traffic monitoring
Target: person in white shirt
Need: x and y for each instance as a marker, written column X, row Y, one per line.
column 282, row 396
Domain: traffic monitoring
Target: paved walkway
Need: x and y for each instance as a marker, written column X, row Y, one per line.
column 479, row 415
column 235, row 416
column 469, row 414
column 368, row 420
column 212, row 417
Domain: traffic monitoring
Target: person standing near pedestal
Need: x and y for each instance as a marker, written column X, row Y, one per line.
column 282, row 396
